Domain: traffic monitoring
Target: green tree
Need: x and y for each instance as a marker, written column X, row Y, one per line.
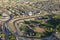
column 11, row 37
column 23, row 28
column 27, row 22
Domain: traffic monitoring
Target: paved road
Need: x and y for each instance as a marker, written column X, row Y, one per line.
column 10, row 23
column 13, row 21
column 5, row 25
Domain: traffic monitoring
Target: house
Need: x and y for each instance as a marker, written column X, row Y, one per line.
column 4, row 14
column 37, row 12
column 30, row 13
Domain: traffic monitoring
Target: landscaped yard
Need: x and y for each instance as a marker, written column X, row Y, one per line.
column 34, row 28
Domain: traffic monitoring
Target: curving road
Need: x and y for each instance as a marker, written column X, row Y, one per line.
column 11, row 24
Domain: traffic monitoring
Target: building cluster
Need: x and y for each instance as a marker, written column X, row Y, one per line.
column 16, row 14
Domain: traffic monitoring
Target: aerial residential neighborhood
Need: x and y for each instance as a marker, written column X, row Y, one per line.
column 29, row 19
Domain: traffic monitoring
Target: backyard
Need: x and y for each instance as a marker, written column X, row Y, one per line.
column 34, row 28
